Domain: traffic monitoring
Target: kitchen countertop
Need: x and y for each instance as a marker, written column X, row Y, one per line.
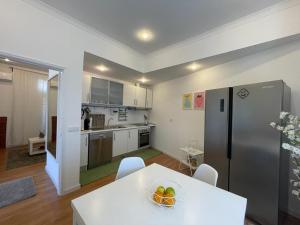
column 118, row 127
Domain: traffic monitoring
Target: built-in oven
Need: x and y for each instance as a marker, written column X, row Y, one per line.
column 144, row 137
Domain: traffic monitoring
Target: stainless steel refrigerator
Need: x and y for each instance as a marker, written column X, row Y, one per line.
column 245, row 150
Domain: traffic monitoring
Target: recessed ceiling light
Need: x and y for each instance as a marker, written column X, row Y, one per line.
column 143, row 80
column 6, row 60
column 145, row 35
column 193, row 66
column 102, row 68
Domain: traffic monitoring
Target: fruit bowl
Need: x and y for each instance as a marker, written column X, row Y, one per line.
column 165, row 193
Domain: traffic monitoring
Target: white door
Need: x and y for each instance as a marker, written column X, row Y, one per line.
column 149, row 98
column 120, row 138
column 129, row 95
column 84, row 148
column 86, row 87
column 141, row 97
column 133, row 138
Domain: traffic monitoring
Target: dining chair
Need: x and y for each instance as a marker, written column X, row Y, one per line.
column 129, row 165
column 207, row 174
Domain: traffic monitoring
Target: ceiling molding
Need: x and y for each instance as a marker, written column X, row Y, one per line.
column 82, row 26
column 285, row 4
column 179, row 49
column 191, row 49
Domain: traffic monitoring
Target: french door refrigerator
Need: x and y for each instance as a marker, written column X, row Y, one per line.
column 245, row 150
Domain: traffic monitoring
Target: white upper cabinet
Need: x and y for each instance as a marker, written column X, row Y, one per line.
column 101, row 91
column 129, row 94
column 134, row 96
column 86, row 89
column 149, row 98
column 140, row 97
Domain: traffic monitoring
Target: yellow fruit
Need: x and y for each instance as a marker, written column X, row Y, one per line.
column 158, row 197
column 160, row 189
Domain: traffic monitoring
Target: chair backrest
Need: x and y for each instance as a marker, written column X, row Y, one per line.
column 129, row 165
column 207, row 174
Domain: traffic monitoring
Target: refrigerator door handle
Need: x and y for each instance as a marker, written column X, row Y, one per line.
column 222, row 105
column 230, row 111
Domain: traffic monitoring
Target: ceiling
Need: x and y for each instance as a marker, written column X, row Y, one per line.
column 171, row 21
column 117, row 71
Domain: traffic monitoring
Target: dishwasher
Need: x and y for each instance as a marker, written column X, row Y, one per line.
column 100, row 149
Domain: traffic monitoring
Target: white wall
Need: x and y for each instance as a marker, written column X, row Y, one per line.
column 175, row 127
column 273, row 64
column 32, row 31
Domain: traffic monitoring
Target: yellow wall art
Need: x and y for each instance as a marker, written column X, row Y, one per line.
column 187, row 101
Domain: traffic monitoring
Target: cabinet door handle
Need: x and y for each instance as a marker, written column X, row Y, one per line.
column 114, row 136
column 86, row 140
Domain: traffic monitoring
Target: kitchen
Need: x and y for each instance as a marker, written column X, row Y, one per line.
column 133, row 82
column 115, row 115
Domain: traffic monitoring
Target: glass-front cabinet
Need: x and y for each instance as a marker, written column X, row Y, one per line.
column 115, row 93
column 100, row 91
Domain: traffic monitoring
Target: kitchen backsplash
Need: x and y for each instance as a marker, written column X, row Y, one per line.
column 133, row 116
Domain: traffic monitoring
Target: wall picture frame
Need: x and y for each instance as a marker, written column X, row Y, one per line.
column 199, row 100
column 187, row 101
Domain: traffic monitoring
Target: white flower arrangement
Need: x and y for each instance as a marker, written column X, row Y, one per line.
column 290, row 127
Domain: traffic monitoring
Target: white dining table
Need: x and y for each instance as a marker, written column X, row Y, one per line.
column 126, row 202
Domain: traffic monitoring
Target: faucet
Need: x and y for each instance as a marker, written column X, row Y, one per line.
column 111, row 118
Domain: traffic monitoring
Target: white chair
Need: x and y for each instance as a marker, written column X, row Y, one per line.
column 129, row 165
column 206, row 174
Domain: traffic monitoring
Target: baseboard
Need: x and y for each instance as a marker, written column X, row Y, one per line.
column 168, row 154
column 69, row 190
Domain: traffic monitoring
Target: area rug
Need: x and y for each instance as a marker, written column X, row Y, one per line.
column 97, row 173
column 19, row 157
column 16, row 190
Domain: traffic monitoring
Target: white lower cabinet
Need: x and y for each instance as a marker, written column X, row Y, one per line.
column 133, row 140
column 120, row 142
column 125, row 141
column 84, row 149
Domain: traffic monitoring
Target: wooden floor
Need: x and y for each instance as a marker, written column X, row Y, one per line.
column 46, row 208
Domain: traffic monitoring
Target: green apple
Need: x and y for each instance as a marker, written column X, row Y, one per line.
column 160, row 189
column 170, row 191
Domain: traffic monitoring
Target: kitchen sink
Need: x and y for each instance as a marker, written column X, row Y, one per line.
column 114, row 127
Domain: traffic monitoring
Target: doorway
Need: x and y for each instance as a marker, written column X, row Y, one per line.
column 23, row 113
